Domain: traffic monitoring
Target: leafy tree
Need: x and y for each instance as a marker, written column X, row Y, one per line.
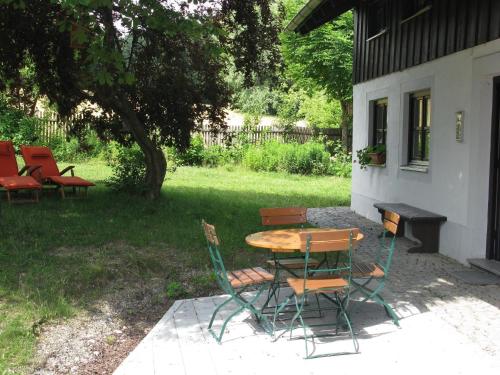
column 322, row 59
column 154, row 67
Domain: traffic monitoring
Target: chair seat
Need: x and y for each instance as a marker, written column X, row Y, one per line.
column 360, row 270
column 293, row 263
column 319, row 285
column 249, row 276
column 70, row 181
column 19, row 182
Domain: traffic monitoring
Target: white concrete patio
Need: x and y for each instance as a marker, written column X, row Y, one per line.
column 447, row 327
column 181, row 344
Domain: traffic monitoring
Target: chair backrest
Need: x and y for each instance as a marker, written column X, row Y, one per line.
column 341, row 241
column 8, row 162
column 386, row 251
column 283, row 216
column 215, row 257
column 328, row 240
column 42, row 156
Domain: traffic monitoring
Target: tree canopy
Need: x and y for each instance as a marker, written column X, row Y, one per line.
column 154, row 67
column 322, row 58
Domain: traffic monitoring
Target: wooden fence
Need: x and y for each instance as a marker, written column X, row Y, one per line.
column 265, row 133
column 52, row 125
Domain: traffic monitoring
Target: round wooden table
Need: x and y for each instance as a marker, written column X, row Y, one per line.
column 283, row 240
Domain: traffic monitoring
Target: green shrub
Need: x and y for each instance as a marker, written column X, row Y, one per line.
column 193, row 155
column 17, row 127
column 341, row 161
column 63, row 149
column 272, row 156
column 129, row 169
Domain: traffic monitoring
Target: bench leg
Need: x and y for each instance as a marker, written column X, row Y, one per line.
column 427, row 235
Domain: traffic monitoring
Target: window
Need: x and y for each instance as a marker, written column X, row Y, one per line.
column 377, row 18
column 412, row 8
column 379, row 122
column 419, row 127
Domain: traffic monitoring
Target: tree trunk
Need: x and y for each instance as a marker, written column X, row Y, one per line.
column 156, row 164
column 346, row 106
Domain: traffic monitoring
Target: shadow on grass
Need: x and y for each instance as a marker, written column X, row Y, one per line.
column 58, row 254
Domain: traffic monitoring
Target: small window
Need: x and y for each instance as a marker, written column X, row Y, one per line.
column 419, row 129
column 379, row 122
column 377, row 18
column 412, row 8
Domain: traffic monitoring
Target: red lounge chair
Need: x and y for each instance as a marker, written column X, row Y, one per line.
column 11, row 178
column 49, row 173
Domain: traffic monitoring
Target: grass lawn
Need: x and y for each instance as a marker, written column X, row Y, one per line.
column 58, row 257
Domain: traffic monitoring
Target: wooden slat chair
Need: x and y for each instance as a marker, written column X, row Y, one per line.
column 235, row 283
column 286, row 216
column 378, row 271
column 331, row 282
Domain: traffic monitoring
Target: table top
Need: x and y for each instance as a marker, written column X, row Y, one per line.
column 283, row 240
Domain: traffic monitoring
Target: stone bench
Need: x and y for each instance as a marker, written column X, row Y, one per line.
column 424, row 225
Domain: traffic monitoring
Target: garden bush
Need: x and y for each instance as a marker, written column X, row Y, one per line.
column 129, row 169
column 272, row 156
column 16, row 126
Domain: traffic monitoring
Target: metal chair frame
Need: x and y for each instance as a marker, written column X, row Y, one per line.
column 383, row 260
column 340, row 298
column 235, row 294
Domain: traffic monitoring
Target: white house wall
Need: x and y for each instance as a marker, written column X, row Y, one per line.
column 456, row 183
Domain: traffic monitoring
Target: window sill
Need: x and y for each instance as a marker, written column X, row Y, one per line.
column 376, row 165
column 379, row 34
column 415, row 168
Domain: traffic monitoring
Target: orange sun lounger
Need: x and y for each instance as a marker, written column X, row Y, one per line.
column 11, row 178
column 49, row 173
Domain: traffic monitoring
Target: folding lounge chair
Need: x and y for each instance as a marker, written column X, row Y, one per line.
column 49, row 173
column 11, row 178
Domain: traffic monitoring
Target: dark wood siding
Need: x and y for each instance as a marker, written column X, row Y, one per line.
column 448, row 27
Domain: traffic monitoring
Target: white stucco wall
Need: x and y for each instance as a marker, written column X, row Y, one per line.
column 456, row 183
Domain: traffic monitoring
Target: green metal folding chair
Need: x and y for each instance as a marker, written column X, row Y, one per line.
column 235, row 283
column 333, row 283
column 378, row 271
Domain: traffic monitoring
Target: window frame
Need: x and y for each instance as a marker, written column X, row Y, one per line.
column 424, row 115
column 379, row 5
column 407, row 15
column 375, row 129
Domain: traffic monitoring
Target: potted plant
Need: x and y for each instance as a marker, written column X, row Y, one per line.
column 371, row 155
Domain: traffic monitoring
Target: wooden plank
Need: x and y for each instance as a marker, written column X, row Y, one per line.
column 484, row 18
column 461, row 29
column 472, row 24
column 424, row 54
column 494, row 30
column 418, row 35
column 451, row 32
column 442, row 28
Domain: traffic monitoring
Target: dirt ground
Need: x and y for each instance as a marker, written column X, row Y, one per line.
column 97, row 341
